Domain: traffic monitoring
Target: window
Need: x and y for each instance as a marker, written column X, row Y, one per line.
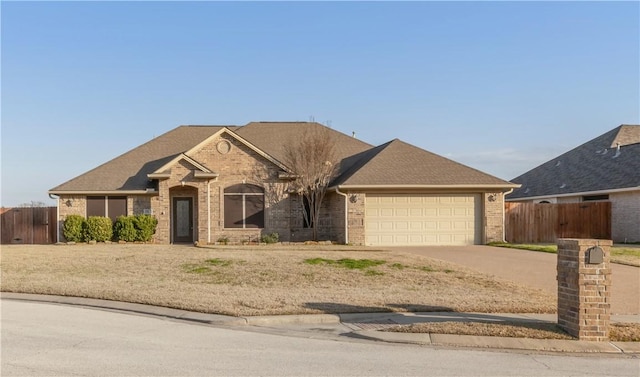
column 110, row 206
column 243, row 206
column 592, row 198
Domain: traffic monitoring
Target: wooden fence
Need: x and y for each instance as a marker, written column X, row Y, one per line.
column 29, row 225
column 545, row 223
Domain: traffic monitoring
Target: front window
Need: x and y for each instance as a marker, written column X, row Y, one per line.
column 244, row 206
column 107, row 206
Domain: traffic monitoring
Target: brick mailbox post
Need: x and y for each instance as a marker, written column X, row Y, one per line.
column 584, row 288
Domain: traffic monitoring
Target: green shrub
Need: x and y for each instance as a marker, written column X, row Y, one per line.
column 72, row 228
column 145, row 226
column 124, row 229
column 270, row 238
column 98, row 228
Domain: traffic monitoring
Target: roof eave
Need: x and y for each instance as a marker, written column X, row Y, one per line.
column 104, row 192
column 569, row 194
column 505, row 187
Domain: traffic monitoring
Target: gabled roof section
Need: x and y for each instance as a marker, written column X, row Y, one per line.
column 272, row 138
column 129, row 170
column 400, row 164
column 611, row 161
column 229, row 131
column 166, row 168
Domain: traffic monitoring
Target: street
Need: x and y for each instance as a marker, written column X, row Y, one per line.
column 55, row 340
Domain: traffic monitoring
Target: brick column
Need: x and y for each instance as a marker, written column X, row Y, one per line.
column 584, row 288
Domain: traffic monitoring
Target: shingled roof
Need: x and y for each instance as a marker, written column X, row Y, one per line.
column 611, row 161
column 392, row 164
column 397, row 163
column 128, row 172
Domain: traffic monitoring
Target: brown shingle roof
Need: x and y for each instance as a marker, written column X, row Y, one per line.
column 129, row 170
column 394, row 163
column 397, row 163
column 272, row 137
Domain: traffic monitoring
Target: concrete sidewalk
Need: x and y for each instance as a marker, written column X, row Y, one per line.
column 367, row 325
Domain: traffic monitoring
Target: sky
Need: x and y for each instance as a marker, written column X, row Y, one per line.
column 499, row 86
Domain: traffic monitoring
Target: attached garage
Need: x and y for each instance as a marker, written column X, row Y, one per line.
column 423, row 219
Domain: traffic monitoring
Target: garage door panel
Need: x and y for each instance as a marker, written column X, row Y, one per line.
column 422, row 219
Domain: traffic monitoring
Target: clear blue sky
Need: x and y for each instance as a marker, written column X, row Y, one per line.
column 498, row 86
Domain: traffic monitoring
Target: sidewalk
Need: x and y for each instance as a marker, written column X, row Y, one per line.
column 368, row 325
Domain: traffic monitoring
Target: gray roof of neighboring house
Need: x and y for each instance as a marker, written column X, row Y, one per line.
column 397, row 163
column 597, row 165
column 393, row 163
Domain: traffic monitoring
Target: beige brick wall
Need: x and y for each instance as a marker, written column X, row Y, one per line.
column 493, row 217
column 584, row 290
column 625, row 216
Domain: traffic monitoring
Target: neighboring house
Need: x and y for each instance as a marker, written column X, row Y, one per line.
column 606, row 168
column 205, row 183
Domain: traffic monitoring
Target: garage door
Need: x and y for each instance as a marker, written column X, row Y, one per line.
column 413, row 219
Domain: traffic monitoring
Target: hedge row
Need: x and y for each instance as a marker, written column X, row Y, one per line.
column 97, row 228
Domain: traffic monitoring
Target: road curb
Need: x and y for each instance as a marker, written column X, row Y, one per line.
column 487, row 342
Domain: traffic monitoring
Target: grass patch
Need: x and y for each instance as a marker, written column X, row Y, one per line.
column 624, row 255
column 218, row 262
column 399, row 266
column 352, row 264
column 373, row 273
column 195, row 269
column 532, row 247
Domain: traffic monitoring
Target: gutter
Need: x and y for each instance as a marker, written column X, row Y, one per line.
column 504, row 216
column 583, row 193
column 51, row 196
column 346, row 214
column 402, row 187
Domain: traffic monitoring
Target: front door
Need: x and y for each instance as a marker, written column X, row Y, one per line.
column 182, row 220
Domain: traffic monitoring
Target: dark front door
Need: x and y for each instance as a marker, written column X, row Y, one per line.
column 182, row 220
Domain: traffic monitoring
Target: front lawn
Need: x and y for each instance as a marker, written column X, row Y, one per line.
column 262, row 280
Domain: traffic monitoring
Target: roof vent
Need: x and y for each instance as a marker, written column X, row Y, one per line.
column 605, row 151
column 563, row 185
column 558, row 163
column 526, row 191
column 617, row 151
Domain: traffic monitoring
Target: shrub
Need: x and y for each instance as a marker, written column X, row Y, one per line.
column 98, row 228
column 145, row 226
column 223, row 240
column 124, row 229
column 72, row 228
column 270, row 238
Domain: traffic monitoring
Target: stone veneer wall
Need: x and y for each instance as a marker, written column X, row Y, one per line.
column 584, row 290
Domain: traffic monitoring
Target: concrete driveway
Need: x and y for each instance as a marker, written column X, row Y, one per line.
column 532, row 268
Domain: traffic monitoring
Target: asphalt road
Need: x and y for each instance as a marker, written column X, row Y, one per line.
column 53, row 340
column 534, row 269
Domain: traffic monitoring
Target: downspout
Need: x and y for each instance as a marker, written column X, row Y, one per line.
column 51, row 196
column 504, row 239
column 209, row 212
column 346, row 215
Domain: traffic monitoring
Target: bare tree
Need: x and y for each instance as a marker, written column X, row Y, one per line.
column 313, row 161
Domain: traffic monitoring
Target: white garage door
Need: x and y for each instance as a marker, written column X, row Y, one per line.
column 414, row 219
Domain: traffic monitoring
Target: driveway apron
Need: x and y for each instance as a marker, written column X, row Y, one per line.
column 533, row 269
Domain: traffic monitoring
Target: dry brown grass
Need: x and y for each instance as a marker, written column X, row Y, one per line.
column 261, row 280
column 618, row 332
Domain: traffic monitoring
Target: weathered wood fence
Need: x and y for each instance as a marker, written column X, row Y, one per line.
column 28, row 225
column 545, row 222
